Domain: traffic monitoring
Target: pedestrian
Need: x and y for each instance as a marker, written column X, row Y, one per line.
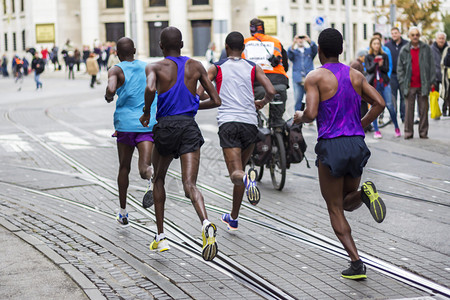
column 333, row 97
column 70, row 63
column 237, row 119
column 358, row 64
column 209, row 55
column 44, row 54
column 177, row 134
column 55, row 58
column 302, row 54
column 377, row 68
column 92, row 68
column 77, row 55
column 445, row 88
column 38, row 65
column 128, row 80
column 395, row 45
column 417, row 75
column 438, row 48
column 5, row 72
column 86, row 52
column 267, row 52
column 25, row 66
column 387, row 89
column 113, row 59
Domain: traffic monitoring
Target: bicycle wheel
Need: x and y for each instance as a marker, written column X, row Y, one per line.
column 278, row 162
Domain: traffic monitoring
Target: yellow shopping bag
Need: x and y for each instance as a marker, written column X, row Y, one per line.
column 434, row 105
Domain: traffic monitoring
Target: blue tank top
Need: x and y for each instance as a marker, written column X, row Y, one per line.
column 340, row 115
column 131, row 99
column 178, row 100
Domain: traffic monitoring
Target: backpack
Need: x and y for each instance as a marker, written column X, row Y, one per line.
column 263, row 147
column 295, row 143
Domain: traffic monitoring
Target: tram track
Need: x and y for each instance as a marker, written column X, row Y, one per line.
column 223, row 263
column 293, row 230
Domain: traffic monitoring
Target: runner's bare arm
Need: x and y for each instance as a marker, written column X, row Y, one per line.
column 212, row 73
column 261, row 77
column 312, row 99
column 371, row 96
column 150, row 91
column 111, row 88
column 214, row 99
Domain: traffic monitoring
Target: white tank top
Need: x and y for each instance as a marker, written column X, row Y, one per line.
column 234, row 83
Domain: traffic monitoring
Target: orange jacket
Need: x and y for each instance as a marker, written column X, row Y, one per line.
column 259, row 51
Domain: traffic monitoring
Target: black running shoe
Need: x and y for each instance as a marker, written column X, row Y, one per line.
column 147, row 201
column 371, row 198
column 355, row 273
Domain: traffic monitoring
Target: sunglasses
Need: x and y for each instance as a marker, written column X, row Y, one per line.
column 415, row 34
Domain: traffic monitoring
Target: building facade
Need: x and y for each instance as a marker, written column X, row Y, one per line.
column 42, row 23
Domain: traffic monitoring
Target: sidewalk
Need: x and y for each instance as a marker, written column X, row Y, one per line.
column 31, row 270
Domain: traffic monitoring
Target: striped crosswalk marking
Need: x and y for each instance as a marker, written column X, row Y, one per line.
column 14, row 143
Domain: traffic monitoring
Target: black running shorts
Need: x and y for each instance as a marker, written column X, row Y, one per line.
column 237, row 135
column 177, row 135
column 345, row 155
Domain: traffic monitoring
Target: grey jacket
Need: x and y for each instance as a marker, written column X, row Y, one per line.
column 427, row 68
column 437, row 60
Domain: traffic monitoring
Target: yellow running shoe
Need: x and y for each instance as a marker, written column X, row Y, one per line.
column 209, row 250
column 371, row 198
column 253, row 194
column 162, row 245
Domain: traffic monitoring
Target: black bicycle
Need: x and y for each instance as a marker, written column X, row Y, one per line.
column 270, row 151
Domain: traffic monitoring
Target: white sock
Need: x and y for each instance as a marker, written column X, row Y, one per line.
column 123, row 212
column 205, row 221
column 160, row 236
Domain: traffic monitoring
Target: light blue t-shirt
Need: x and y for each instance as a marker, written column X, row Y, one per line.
column 131, row 99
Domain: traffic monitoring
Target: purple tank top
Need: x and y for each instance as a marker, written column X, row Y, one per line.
column 178, row 100
column 340, row 115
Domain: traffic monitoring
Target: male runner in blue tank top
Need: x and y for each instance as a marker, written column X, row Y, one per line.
column 333, row 96
column 177, row 134
column 237, row 118
column 128, row 80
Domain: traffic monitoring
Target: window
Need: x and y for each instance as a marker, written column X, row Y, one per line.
column 308, row 29
column 333, row 25
column 365, row 31
column 157, row 3
column 332, row 2
column 382, row 2
column 6, row 42
column 354, row 2
column 364, row 3
column 307, row 1
column 22, row 6
column 374, row 3
column 343, row 31
column 320, row 1
column 294, row 30
column 23, row 41
column 114, row 31
column 343, row 2
column 13, row 6
column 4, row 7
column 14, row 42
column 114, row 3
column 200, row 2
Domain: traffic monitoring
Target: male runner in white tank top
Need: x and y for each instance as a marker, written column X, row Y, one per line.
column 237, row 118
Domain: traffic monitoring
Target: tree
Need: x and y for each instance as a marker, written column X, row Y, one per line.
column 418, row 12
column 446, row 21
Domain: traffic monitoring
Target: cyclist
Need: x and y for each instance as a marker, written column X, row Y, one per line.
column 267, row 52
column 237, row 118
column 333, row 96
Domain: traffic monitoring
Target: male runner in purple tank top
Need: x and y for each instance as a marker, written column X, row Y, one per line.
column 177, row 134
column 333, row 96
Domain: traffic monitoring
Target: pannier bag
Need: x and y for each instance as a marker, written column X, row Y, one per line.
column 263, row 147
column 295, row 143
